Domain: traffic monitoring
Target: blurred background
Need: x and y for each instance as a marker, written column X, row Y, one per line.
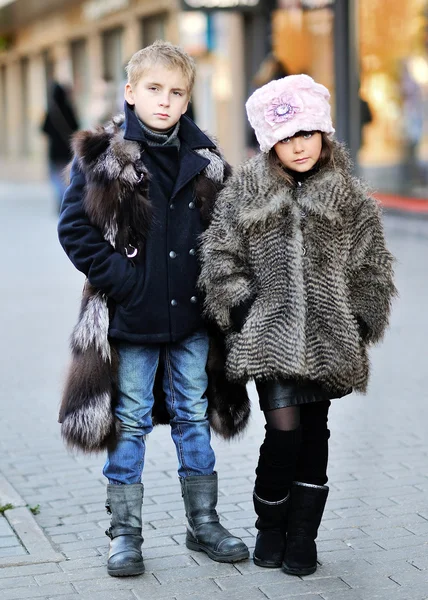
column 371, row 54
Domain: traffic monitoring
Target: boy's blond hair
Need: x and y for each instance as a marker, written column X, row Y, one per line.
column 165, row 53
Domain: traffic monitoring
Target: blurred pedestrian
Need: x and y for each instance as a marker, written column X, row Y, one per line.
column 296, row 273
column 413, row 124
column 270, row 69
column 141, row 192
column 59, row 124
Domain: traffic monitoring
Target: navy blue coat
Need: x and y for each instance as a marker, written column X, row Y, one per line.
column 153, row 296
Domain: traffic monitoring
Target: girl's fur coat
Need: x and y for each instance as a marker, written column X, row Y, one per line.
column 314, row 263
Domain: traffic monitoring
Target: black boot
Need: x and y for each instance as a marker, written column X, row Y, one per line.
column 271, row 523
column 204, row 533
column 307, row 504
column 274, row 475
column 124, row 503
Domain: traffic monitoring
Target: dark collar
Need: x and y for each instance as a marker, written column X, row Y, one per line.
column 189, row 131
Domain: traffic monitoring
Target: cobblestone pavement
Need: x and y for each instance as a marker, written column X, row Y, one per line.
column 373, row 542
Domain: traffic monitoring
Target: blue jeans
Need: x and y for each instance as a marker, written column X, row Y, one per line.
column 57, row 178
column 184, row 383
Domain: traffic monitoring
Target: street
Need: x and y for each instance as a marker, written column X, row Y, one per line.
column 373, row 542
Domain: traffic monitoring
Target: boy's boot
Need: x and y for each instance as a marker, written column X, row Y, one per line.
column 204, row 532
column 274, row 475
column 307, row 504
column 272, row 524
column 124, row 503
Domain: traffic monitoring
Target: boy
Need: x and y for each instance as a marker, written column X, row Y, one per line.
column 140, row 194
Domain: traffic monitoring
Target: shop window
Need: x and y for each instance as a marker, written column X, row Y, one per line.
column 3, row 110
column 303, row 40
column 25, row 107
column 49, row 70
column 79, row 59
column 113, row 74
column 112, row 55
column 153, row 28
column 394, row 83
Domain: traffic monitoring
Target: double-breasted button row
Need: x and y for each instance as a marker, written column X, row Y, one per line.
column 192, row 205
column 193, row 300
column 173, row 254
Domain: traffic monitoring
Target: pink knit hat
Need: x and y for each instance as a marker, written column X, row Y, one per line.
column 285, row 106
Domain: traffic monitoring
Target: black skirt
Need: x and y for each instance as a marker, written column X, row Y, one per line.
column 282, row 393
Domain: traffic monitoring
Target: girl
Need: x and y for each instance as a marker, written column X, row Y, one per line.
column 295, row 271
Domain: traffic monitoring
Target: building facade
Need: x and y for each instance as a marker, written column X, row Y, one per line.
column 85, row 45
column 374, row 61
column 373, row 57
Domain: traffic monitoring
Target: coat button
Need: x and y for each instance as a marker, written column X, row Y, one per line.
column 172, row 254
column 172, row 206
column 191, row 205
column 192, row 252
column 174, row 302
column 193, row 299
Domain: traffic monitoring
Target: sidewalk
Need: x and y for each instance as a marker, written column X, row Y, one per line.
column 373, row 542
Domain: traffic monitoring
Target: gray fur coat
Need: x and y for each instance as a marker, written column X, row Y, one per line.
column 314, row 262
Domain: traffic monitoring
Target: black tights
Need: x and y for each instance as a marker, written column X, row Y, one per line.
column 295, row 448
column 284, row 419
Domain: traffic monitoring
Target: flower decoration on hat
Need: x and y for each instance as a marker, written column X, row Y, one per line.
column 282, row 109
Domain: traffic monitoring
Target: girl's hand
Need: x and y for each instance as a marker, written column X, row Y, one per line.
column 239, row 313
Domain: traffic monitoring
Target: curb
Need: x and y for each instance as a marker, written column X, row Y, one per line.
column 415, row 207
column 24, row 526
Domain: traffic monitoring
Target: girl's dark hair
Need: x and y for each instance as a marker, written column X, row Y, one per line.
column 326, row 159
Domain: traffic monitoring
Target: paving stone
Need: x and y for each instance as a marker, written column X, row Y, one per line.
column 302, row 588
column 37, row 592
column 7, row 542
column 15, row 550
column 80, row 554
column 196, row 572
column 146, row 584
column 17, row 582
column 256, row 594
column 118, row 595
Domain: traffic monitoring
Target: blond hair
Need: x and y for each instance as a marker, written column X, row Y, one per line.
column 165, row 53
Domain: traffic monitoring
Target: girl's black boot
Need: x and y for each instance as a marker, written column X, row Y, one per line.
column 307, row 504
column 274, row 475
column 271, row 523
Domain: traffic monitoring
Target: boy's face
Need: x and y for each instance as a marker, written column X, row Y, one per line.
column 160, row 97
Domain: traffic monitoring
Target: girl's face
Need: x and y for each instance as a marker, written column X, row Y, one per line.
column 301, row 152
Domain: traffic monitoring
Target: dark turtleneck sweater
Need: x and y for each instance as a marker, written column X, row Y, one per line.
column 162, row 156
column 161, row 138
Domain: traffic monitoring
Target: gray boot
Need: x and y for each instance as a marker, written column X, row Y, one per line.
column 124, row 503
column 204, row 533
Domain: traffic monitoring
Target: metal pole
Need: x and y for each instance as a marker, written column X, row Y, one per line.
column 346, row 62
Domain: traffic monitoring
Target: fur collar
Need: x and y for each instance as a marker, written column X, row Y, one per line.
column 326, row 193
column 116, row 196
